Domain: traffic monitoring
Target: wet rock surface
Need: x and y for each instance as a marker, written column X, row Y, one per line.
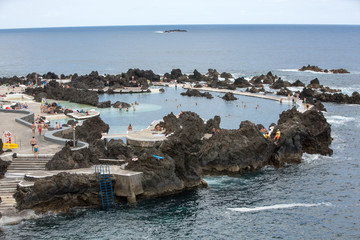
column 229, row 97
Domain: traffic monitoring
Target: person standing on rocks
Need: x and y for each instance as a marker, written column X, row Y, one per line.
column 33, row 143
column 277, row 136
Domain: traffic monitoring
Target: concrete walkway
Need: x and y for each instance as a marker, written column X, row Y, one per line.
column 22, row 135
column 301, row 107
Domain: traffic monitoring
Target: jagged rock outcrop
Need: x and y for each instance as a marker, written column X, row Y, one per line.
column 67, row 159
column 117, row 149
column 340, row 98
column 253, row 89
column 301, row 132
column 176, row 73
column 145, row 74
column 90, row 130
column 298, row 83
column 315, row 83
column 317, row 69
column 196, row 93
column 60, row 193
column 284, row 92
column 234, row 151
column 269, row 78
column 329, row 90
column 311, row 68
column 280, row 84
column 123, row 104
column 339, row 70
column 226, row 75
column 241, row 83
column 53, row 90
column 196, row 76
column 212, row 123
column 179, row 169
column 229, row 97
column 166, row 176
column 105, row 104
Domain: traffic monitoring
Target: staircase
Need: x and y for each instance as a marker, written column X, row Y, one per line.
column 107, row 195
column 15, row 174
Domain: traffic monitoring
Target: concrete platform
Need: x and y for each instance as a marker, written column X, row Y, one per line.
column 301, row 107
column 144, row 138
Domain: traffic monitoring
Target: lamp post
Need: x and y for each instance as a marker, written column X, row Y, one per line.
column 74, row 142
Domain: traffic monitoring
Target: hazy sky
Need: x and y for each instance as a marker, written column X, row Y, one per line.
column 59, row 13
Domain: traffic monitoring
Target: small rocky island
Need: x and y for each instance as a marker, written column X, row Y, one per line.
column 317, row 69
column 175, row 30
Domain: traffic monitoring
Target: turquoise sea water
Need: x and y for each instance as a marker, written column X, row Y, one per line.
column 317, row 199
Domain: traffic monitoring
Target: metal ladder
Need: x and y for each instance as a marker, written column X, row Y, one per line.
column 107, row 195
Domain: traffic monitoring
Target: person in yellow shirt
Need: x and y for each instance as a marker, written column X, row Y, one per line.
column 277, row 136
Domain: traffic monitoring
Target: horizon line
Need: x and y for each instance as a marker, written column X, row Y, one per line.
column 210, row 24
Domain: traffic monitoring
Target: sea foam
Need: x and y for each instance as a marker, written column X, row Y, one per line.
column 339, row 119
column 278, row 206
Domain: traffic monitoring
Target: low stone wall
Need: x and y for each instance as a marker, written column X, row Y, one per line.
column 26, row 120
column 49, row 136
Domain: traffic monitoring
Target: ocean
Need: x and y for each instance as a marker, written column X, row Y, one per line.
column 318, row 198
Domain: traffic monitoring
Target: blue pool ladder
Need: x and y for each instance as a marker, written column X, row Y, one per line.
column 107, row 195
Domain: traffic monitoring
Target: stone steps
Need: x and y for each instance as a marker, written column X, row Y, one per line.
column 15, row 174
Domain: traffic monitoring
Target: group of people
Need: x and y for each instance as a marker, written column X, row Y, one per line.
column 41, row 126
column 213, row 130
column 132, row 105
column 267, row 134
column 295, row 98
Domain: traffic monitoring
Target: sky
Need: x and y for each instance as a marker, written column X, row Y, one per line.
column 71, row 13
